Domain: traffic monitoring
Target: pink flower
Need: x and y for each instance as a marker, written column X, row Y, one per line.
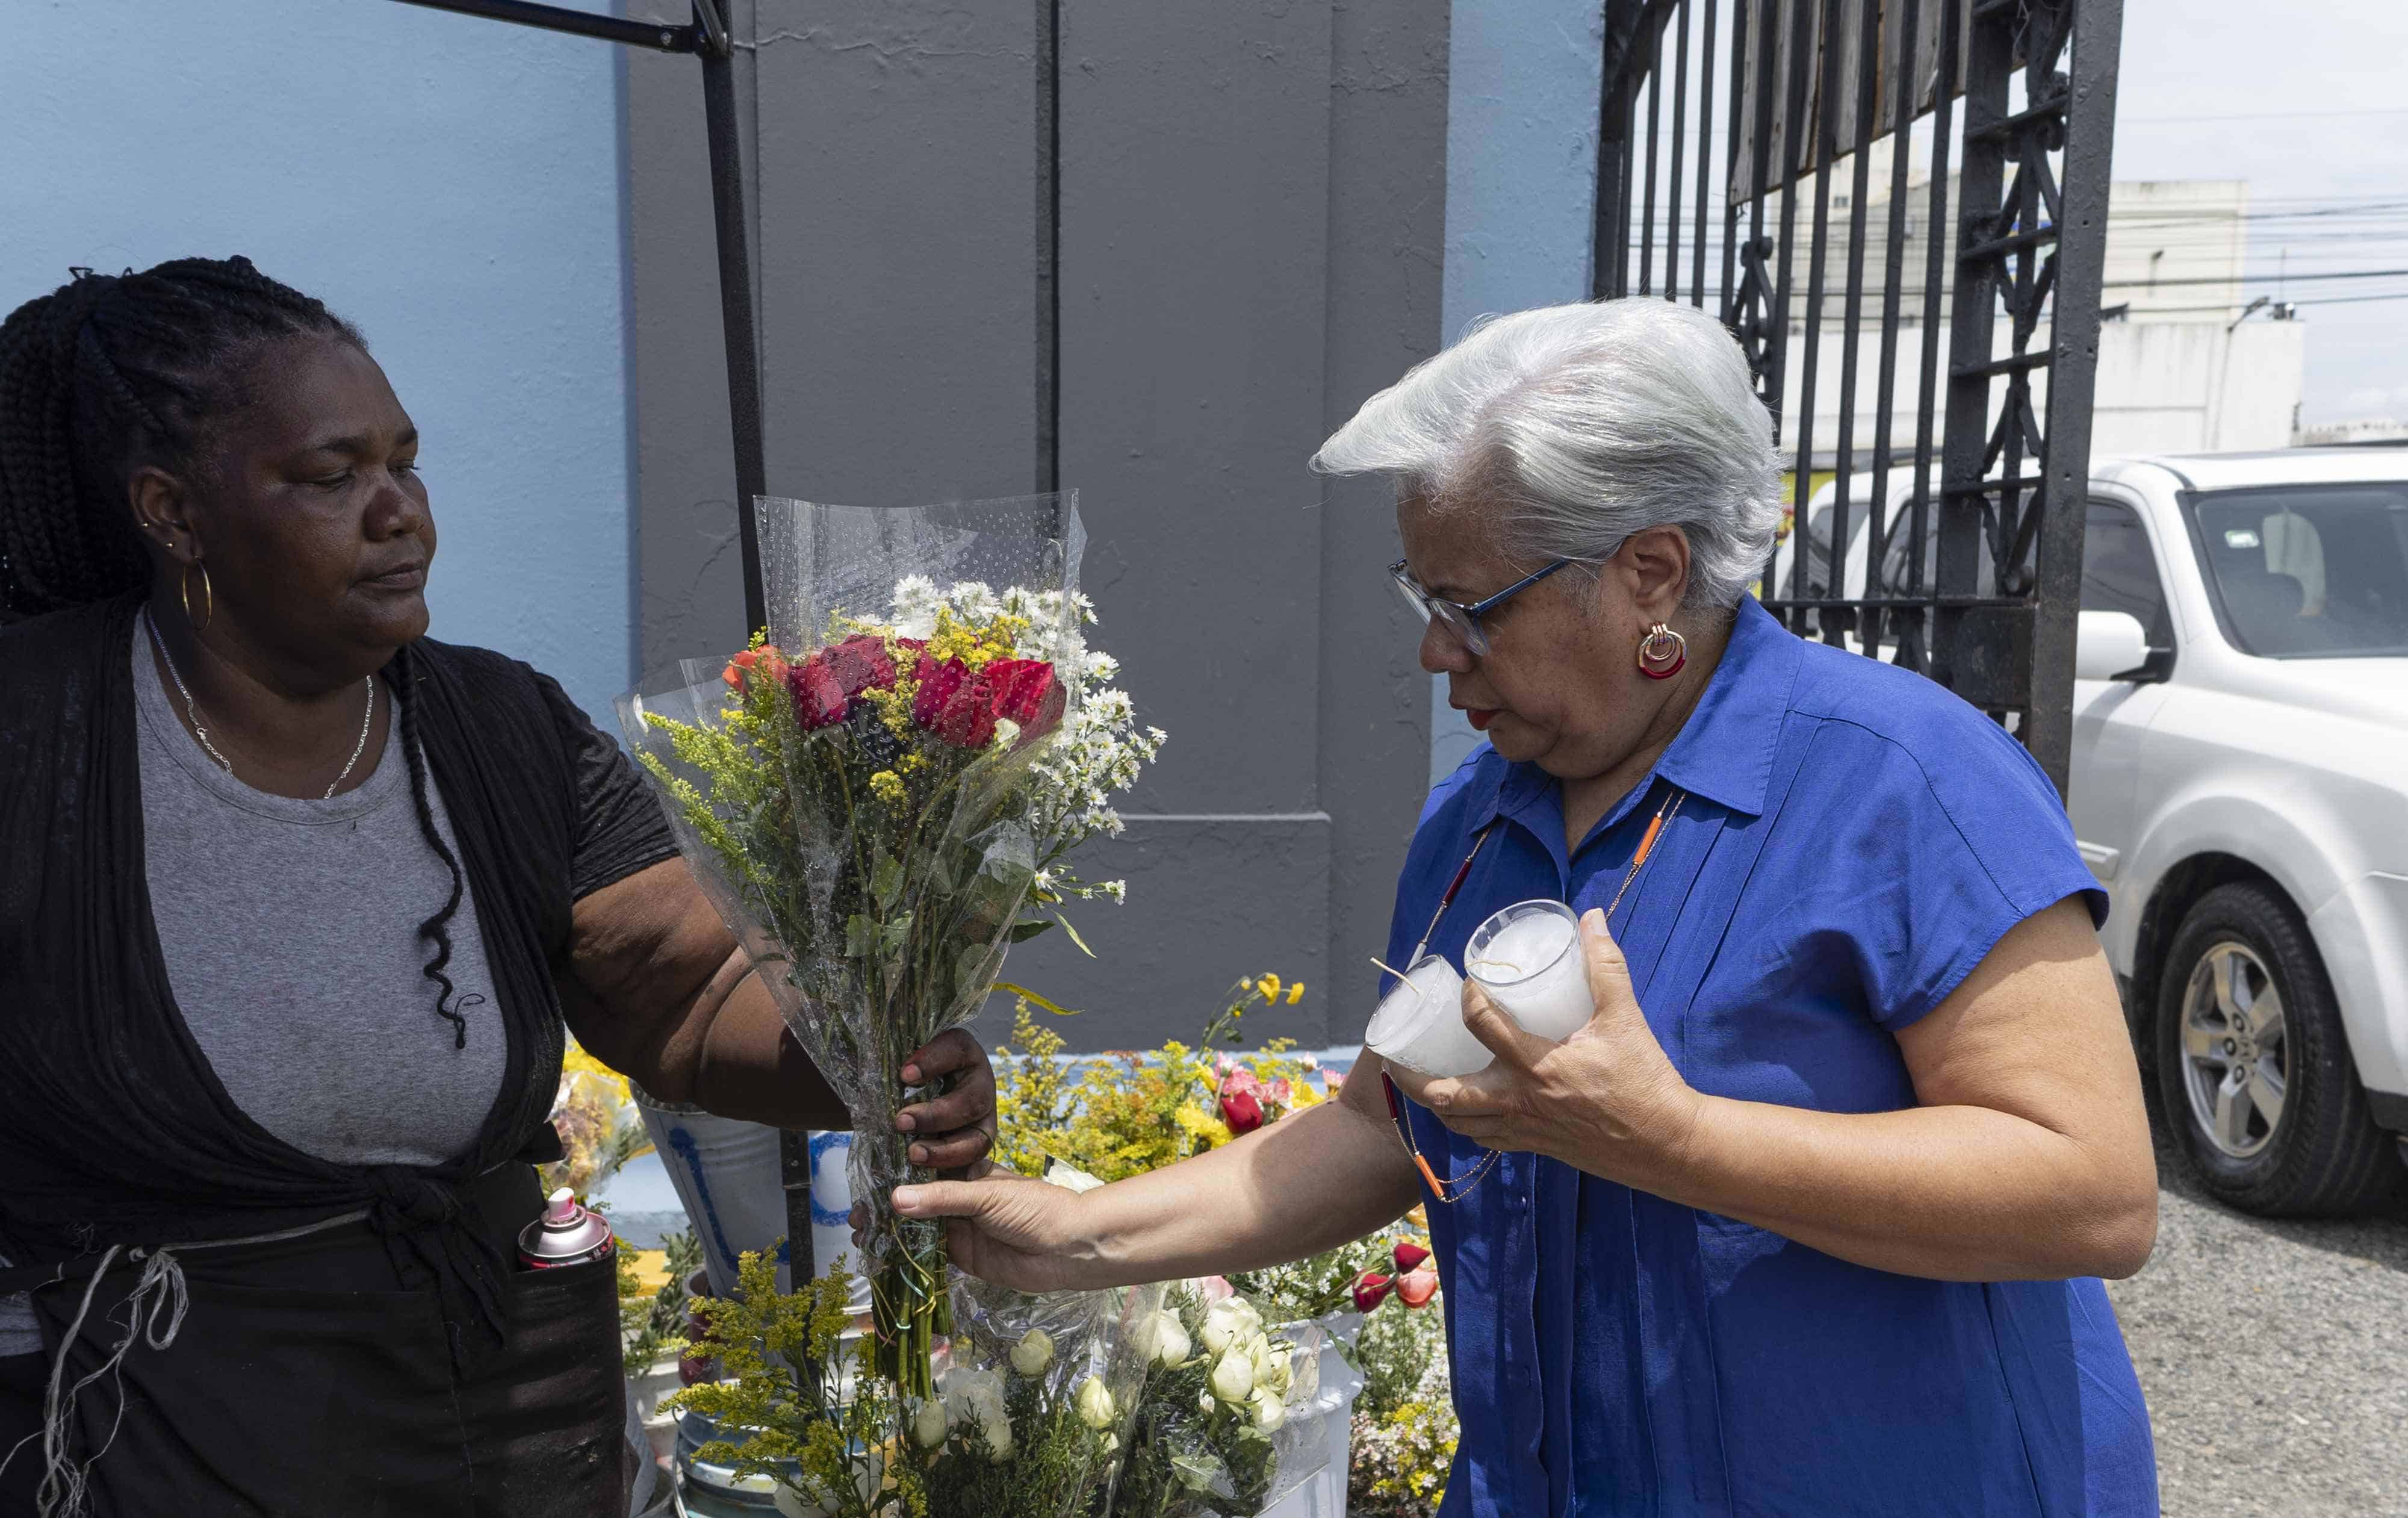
column 1282, row 1095
column 1332, row 1080
column 1416, row 1288
column 1240, row 1082
column 1215, row 1289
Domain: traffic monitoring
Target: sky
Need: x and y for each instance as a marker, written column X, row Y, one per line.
column 2248, row 90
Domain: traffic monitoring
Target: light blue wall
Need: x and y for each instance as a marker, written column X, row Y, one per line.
column 1521, row 187
column 450, row 184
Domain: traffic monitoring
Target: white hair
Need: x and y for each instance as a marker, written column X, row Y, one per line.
column 1581, row 425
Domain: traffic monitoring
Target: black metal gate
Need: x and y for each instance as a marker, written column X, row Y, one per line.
column 1974, row 582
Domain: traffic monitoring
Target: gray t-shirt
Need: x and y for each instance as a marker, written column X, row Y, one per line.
column 290, row 930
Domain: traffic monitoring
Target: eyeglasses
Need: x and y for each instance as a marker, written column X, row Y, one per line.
column 1462, row 622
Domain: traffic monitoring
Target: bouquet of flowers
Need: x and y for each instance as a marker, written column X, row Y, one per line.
column 879, row 796
column 1027, row 1416
column 599, row 1126
column 1212, row 1432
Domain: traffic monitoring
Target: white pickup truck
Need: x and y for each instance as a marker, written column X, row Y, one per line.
column 2240, row 787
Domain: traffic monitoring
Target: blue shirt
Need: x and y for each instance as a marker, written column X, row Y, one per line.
column 1854, row 841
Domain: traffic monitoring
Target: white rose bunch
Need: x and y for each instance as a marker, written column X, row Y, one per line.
column 1094, row 1403
column 975, row 1397
column 1162, row 1340
column 1231, row 1321
column 1033, row 1353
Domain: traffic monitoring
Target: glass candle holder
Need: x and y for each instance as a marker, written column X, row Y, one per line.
column 1420, row 1026
column 1528, row 959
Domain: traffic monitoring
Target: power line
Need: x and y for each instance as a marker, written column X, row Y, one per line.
column 2256, row 279
column 2256, row 116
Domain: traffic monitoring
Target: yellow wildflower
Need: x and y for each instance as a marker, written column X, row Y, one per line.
column 887, row 786
column 1208, row 1131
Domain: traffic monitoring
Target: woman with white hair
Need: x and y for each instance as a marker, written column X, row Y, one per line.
column 1808, row 1217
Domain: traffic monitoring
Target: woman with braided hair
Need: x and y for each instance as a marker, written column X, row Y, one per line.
column 296, row 900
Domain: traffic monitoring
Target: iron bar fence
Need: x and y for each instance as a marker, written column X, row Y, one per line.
column 1847, row 124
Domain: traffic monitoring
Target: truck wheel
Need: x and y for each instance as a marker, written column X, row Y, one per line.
column 2254, row 1067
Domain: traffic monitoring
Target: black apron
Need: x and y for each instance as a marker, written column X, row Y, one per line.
column 400, row 1359
column 304, row 1381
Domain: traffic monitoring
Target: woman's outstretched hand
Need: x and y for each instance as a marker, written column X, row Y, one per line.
column 1005, row 1229
column 1607, row 1100
column 954, row 1131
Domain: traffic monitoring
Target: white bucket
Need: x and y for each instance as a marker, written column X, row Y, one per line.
column 728, row 1175
column 1323, row 1494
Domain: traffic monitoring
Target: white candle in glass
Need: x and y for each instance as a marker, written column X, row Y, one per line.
column 1528, row 959
column 1420, row 1026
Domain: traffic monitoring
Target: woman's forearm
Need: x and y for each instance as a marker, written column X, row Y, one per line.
column 1311, row 1181
column 1948, row 1193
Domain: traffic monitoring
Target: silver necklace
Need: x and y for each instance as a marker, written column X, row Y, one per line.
column 201, row 731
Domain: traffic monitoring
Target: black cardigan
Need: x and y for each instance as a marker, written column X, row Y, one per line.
column 113, row 1129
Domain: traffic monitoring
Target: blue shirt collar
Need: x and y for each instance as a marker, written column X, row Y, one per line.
column 1723, row 752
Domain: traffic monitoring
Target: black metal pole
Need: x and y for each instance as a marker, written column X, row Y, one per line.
column 733, row 220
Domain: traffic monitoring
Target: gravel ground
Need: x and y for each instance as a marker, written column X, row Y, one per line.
column 2274, row 1356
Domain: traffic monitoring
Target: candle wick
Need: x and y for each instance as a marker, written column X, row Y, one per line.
column 1390, row 968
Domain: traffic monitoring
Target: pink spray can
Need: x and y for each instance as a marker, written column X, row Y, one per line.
column 566, row 1234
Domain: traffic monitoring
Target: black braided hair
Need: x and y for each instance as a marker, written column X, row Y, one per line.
column 109, row 373
column 437, row 928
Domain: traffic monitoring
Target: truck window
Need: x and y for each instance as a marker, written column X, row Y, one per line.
column 2120, row 574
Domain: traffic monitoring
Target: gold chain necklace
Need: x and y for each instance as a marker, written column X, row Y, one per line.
column 201, row 731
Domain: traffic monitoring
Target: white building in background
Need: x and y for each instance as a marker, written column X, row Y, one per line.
column 2185, row 364
column 2378, row 430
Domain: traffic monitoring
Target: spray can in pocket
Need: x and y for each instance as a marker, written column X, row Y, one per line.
column 566, row 1234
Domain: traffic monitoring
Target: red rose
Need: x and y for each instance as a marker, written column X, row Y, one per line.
column 939, row 681
column 1411, row 1256
column 1370, row 1289
column 860, row 664
column 1416, row 1288
column 1242, row 1112
column 967, row 719
column 819, row 698
column 1028, row 692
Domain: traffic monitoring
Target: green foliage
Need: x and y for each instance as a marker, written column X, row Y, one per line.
column 1405, row 1429
column 1139, row 1112
column 652, row 1328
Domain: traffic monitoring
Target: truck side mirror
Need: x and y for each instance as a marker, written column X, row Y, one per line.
column 2114, row 646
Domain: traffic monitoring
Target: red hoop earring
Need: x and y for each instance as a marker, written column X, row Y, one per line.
column 1662, row 653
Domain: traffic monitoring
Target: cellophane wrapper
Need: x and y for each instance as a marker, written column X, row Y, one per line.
column 1091, row 1339
column 876, row 927
column 1192, row 1457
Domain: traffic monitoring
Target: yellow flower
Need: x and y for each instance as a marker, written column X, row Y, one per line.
column 1209, row 1132
column 1295, row 993
column 1270, row 989
column 887, row 786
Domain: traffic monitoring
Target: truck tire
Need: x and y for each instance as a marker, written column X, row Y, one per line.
column 2254, row 1069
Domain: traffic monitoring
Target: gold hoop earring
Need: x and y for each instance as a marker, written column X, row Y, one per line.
column 1662, row 652
column 209, row 596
